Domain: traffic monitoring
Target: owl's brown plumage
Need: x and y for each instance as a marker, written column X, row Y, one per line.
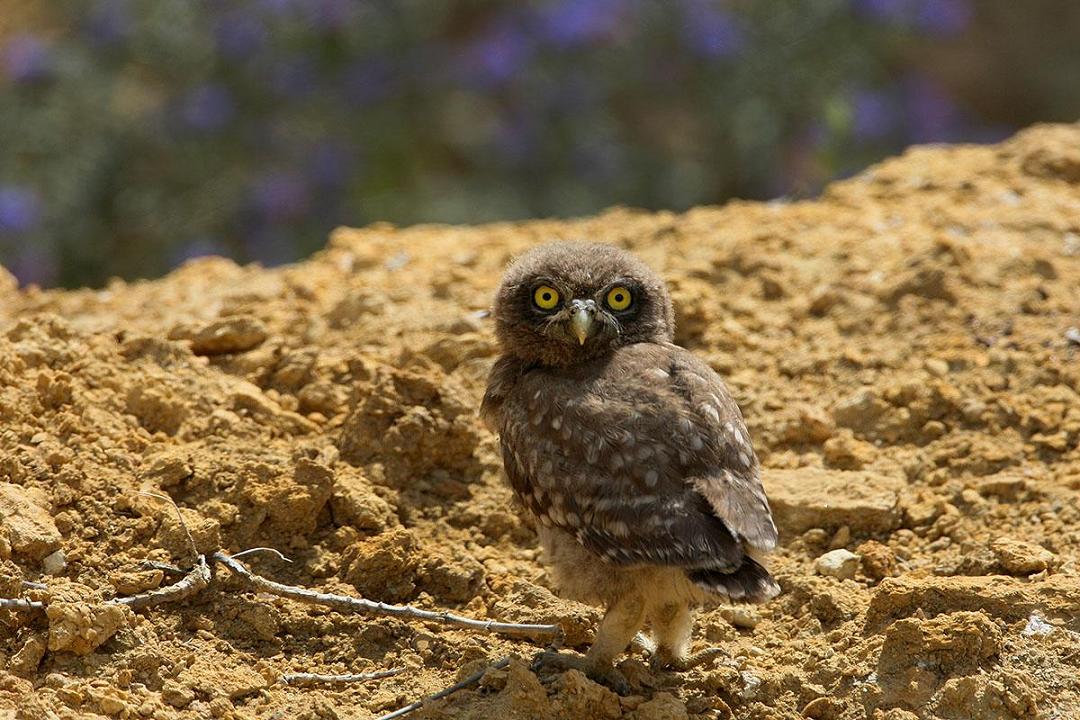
column 628, row 450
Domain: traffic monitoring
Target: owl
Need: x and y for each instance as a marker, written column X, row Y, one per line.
column 626, row 449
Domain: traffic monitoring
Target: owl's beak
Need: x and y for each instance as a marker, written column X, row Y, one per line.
column 581, row 322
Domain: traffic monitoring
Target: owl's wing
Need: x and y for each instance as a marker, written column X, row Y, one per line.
column 725, row 471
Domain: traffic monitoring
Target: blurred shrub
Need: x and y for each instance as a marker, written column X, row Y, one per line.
column 136, row 133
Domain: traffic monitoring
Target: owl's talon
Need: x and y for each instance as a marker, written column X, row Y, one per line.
column 551, row 661
column 665, row 661
column 610, row 678
column 643, row 644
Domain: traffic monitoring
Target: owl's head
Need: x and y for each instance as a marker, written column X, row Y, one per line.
column 566, row 303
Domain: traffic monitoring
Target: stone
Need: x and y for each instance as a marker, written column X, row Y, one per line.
column 54, row 563
column 806, row 498
column 839, row 563
column 355, row 503
column 25, row 524
column 999, row 596
column 878, row 561
column 663, row 706
column 228, row 335
column 81, row 627
column 1021, row 558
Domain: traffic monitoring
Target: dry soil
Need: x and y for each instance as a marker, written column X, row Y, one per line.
column 905, row 350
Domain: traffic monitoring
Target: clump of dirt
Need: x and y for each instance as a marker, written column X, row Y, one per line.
column 904, row 349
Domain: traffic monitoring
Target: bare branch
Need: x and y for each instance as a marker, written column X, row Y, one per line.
column 344, row 603
column 316, row 679
column 163, row 567
column 192, row 583
column 21, row 604
column 471, row 680
column 262, row 549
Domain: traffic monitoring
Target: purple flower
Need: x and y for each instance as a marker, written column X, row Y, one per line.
column 293, row 77
column 938, row 17
column 239, row 35
column 329, row 165
column 34, row 263
column 579, row 22
column 932, row 115
column 20, row 209
column 895, row 11
column 873, row 115
column 281, row 197
column 944, row 17
column 328, row 15
column 26, row 59
column 496, row 57
column 366, row 82
column 208, row 107
column 279, row 7
column 712, row 31
column 108, row 22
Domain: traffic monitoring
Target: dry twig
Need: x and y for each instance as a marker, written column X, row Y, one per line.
column 471, row 680
column 191, row 584
column 21, row 604
column 317, row 679
column 344, row 603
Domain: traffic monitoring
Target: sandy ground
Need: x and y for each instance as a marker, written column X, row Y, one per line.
column 901, row 350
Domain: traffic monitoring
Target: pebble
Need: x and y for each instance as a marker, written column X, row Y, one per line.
column 838, row 564
column 54, row 563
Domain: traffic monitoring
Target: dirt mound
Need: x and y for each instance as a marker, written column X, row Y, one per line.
column 904, row 350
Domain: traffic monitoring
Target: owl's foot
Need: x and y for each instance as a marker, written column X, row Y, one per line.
column 665, row 659
column 606, row 675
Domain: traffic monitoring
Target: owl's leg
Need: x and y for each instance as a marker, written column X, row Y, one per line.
column 621, row 622
column 671, row 624
column 619, row 626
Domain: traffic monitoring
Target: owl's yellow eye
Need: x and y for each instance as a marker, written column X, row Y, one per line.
column 619, row 298
column 546, row 297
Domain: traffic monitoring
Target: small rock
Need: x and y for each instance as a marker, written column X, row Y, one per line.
column 741, row 616
column 1037, row 627
column 806, row 498
column 838, row 564
column 878, row 561
column 936, row 366
column 131, row 582
column 229, row 335
column 167, row 469
column 355, row 503
column 54, row 563
column 663, row 706
column 841, row 538
column 384, row 566
column 177, row 695
column 25, row 524
column 81, row 627
column 578, row 696
column 751, row 685
column 25, row 662
column 1021, row 558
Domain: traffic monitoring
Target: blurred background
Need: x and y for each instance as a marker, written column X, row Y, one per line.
column 135, row 134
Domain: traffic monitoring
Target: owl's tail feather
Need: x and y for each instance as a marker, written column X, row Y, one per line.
column 751, row 583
